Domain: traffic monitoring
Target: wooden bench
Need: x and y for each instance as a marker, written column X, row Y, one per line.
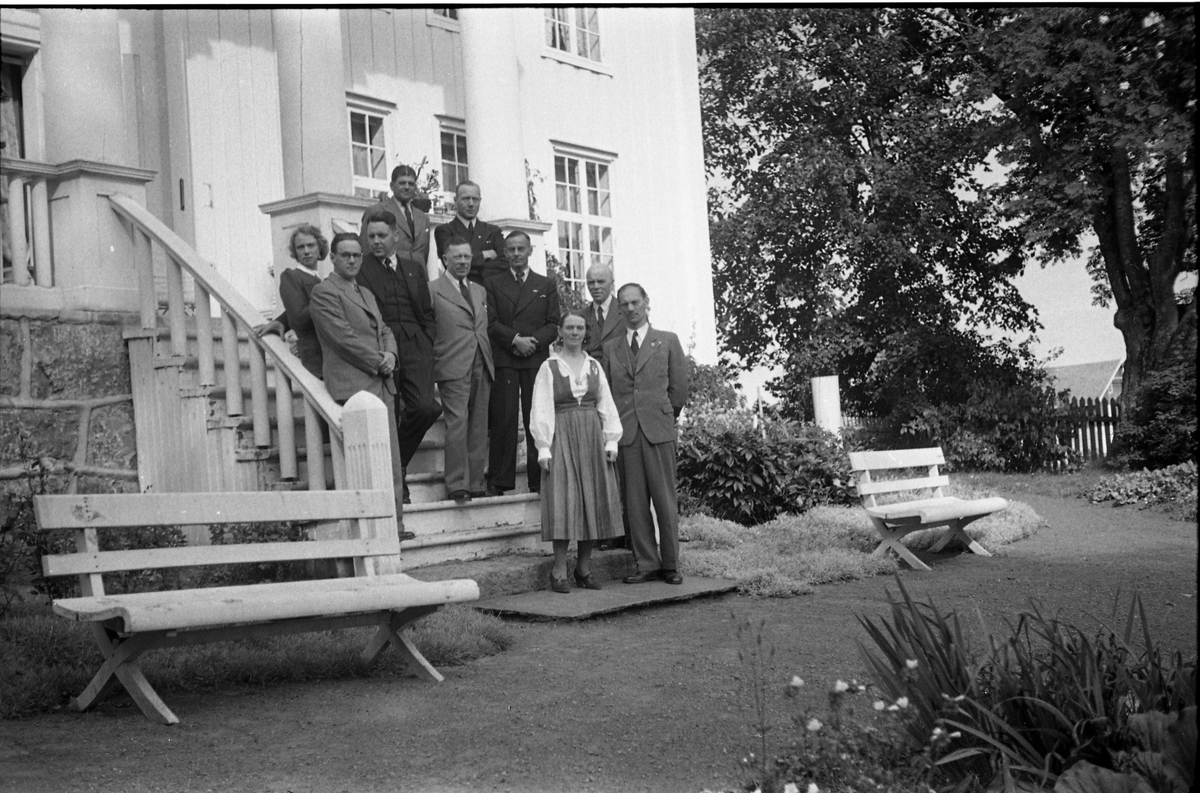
column 894, row 520
column 127, row 625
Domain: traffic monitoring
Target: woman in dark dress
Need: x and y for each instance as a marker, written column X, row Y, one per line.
column 308, row 247
column 576, row 427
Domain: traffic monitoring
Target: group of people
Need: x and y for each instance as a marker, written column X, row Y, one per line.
column 599, row 390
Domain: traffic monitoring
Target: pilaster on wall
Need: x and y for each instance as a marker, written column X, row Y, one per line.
column 66, row 410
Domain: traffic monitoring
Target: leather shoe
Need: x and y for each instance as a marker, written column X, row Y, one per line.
column 495, row 491
column 643, row 578
column 407, row 535
column 479, row 494
column 560, row 585
column 459, row 495
column 586, row 581
column 672, row 577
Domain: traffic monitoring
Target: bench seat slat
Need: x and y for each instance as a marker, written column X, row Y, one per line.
column 200, row 555
column 897, row 485
column 123, row 510
column 206, row 608
column 896, row 458
column 937, row 510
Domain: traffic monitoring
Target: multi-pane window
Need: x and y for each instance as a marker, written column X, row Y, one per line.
column 448, row 13
column 583, row 199
column 575, row 31
column 368, row 151
column 454, row 158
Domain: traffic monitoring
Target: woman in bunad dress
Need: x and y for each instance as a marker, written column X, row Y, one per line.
column 576, row 428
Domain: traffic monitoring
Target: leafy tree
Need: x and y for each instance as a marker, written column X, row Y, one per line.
column 854, row 216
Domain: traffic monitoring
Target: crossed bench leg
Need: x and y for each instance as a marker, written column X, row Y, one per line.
column 121, row 653
column 891, row 536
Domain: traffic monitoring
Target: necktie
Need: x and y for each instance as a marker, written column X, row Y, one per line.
column 520, row 279
column 633, row 345
column 412, row 230
column 466, row 293
column 391, row 263
column 600, row 315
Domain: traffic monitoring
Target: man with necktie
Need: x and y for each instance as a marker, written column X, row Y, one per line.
column 486, row 240
column 401, row 289
column 522, row 323
column 463, row 369
column 648, row 377
column 358, row 350
column 604, row 320
column 412, row 230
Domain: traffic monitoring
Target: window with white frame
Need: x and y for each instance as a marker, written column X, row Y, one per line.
column 583, row 200
column 368, row 151
column 454, row 155
column 575, row 31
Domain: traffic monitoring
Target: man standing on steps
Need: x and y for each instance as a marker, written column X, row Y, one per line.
column 522, row 323
column 648, row 376
column 358, row 349
column 412, row 225
column 401, row 288
column 463, row 369
column 605, row 322
column 486, row 240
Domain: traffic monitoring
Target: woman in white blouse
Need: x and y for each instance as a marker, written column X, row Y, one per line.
column 576, row 428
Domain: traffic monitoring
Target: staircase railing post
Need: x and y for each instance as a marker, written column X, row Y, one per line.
column 314, row 447
column 175, row 311
column 260, row 409
column 285, row 421
column 204, row 338
column 144, row 261
column 231, row 365
column 369, row 467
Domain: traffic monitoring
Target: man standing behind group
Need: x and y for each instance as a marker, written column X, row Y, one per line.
column 605, row 322
column 412, row 231
column 401, row 287
column 358, row 350
column 463, row 369
column 486, row 240
column 648, row 377
column 522, row 323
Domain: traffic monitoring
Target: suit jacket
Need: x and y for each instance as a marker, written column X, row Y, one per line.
column 413, row 247
column 485, row 238
column 614, row 327
column 295, row 290
column 529, row 309
column 407, row 307
column 353, row 338
column 460, row 330
column 652, row 389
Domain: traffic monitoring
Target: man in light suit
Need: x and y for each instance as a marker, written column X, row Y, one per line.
column 463, row 369
column 401, row 290
column 412, row 228
column 486, row 240
column 604, row 320
column 357, row 348
column 522, row 323
column 648, row 376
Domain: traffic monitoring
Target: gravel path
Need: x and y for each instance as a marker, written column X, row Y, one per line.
column 642, row 701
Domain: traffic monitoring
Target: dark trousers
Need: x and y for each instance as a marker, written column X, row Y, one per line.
column 416, row 409
column 512, row 390
column 648, row 476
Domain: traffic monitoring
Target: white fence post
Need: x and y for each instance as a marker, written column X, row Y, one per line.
column 369, row 467
column 827, row 403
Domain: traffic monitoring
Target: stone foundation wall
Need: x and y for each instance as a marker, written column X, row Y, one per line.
column 66, row 407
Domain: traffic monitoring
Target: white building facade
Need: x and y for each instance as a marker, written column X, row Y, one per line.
column 582, row 127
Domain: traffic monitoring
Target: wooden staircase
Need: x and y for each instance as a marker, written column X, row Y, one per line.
column 266, row 423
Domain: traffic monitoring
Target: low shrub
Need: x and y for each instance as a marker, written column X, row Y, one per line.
column 1173, row 488
column 1040, row 700
column 734, row 467
column 1159, row 429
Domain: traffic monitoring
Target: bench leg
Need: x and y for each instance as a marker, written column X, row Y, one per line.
column 121, row 664
column 890, row 539
column 956, row 531
column 392, row 630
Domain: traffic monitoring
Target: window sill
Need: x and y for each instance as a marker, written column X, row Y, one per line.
column 574, row 60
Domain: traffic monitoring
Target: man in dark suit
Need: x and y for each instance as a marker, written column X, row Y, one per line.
column 402, row 290
column 604, row 320
column 412, row 229
column 648, row 377
column 486, row 240
column 358, row 350
column 522, row 324
column 463, row 369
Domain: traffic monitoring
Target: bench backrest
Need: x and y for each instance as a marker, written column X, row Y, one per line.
column 865, row 464
column 371, row 515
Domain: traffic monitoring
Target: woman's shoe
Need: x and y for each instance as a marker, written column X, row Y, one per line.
column 560, row 585
column 586, row 581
